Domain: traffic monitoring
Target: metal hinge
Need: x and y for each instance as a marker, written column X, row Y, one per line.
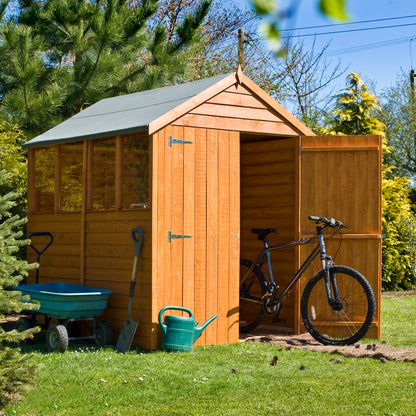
column 177, row 141
column 172, row 236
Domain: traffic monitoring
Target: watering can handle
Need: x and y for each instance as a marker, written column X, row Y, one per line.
column 176, row 308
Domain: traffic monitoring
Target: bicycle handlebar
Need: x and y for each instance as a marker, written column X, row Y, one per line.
column 328, row 223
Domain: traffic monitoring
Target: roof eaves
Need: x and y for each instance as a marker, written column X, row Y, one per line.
column 46, row 142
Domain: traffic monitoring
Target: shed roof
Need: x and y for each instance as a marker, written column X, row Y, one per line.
column 148, row 110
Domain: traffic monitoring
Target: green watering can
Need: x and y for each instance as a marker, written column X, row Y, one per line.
column 179, row 332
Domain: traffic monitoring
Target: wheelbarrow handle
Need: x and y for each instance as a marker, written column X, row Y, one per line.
column 40, row 252
column 40, row 233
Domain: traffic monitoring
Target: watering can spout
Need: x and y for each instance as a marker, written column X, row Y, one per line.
column 198, row 330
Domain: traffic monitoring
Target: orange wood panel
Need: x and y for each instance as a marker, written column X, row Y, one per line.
column 235, row 124
column 200, row 228
column 177, row 217
column 212, row 233
column 234, row 257
column 157, row 193
column 340, row 176
column 224, row 236
column 244, row 113
column 238, row 100
column 188, row 285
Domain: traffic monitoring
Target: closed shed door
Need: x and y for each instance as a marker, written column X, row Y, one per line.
column 196, row 226
column 340, row 177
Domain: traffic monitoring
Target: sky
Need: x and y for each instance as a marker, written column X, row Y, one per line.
column 379, row 55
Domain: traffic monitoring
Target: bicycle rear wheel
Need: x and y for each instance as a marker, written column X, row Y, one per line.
column 251, row 297
column 349, row 320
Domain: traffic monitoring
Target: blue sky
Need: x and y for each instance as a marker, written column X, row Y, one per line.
column 379, row 54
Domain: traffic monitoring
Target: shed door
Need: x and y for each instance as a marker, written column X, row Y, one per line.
column 340, row 177
column 196, row 226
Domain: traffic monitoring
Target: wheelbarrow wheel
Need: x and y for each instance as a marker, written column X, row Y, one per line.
column 23, row 324
column 103, row 334
column 57, row 338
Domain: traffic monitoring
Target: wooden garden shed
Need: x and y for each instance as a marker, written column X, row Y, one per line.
column 196, row 166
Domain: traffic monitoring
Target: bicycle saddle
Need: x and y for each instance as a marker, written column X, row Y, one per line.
column 262, row 233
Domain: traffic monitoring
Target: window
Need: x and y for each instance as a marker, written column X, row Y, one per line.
column 135, row 170
column 103, row 175
column 44, row 179
column 71, row 177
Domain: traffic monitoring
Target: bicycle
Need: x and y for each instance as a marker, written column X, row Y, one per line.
column 337, row 304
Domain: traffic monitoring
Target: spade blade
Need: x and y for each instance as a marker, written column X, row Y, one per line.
column 126, row 336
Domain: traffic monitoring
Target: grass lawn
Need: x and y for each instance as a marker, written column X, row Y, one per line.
column 227, row 380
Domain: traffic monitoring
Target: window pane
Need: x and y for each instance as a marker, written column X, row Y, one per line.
column 103, row 180
column 71, row 186
column 135, row 170
column 45, row 179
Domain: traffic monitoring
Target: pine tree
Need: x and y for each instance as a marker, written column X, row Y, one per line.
column 60, row 56
column 15, row 370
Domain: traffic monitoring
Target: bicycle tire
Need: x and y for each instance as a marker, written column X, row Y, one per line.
column 251, row 313
column 338, row 327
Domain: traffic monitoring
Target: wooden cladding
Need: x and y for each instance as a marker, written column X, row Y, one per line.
column 197, row 186
column 341, row 178
column 236, row 109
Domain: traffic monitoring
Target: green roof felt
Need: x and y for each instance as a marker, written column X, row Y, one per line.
column 123, row 114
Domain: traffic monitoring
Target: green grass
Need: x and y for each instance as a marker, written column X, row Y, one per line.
column 398, row 321
column 87, row 381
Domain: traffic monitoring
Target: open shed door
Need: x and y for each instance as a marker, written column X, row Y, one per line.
column 340, row 177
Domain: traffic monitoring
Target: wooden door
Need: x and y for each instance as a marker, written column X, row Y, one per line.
column 195, row 208
column 340, row 177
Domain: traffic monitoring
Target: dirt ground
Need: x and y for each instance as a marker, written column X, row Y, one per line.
column 381, row 351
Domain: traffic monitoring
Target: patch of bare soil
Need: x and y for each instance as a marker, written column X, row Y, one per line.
column 382, row 352
column 306, row 341
column 398, row 294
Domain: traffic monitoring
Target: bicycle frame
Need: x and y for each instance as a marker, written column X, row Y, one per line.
column 264, row 256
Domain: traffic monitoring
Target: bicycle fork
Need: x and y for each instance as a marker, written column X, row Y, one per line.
column 330, row 278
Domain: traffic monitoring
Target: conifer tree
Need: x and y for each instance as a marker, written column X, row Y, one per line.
column 356, row 109
column 15, row 370
column 60, row 56
column 356, row 112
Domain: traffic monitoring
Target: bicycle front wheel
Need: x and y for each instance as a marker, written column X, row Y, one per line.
column 251, row 296
column 351, row 315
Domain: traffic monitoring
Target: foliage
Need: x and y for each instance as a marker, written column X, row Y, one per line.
column 13, row 161
column 15, row 371
column 355, row 113
column 60, row 56
column 400, row 118
column 356, row 110
column 272, row 15
column 399, row 231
